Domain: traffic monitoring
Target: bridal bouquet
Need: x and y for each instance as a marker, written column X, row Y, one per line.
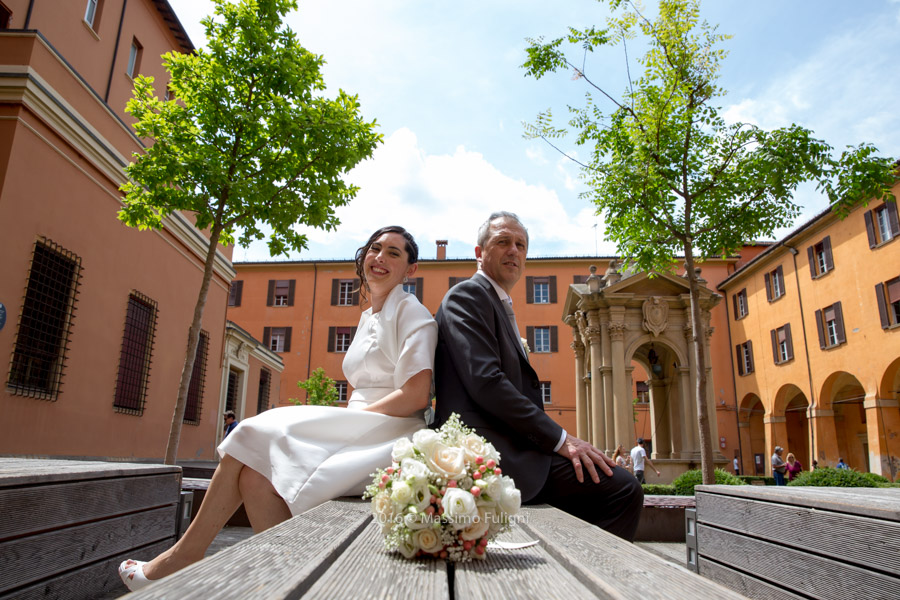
column 444, row 494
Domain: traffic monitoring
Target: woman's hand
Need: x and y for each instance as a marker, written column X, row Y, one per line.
column 408, row 400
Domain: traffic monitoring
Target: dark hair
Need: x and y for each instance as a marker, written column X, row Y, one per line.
column 229, row 413
column 412, row 252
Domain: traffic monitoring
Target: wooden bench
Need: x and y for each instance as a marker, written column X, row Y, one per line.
column 336, row 551
column 66, row 525
column 800, row 542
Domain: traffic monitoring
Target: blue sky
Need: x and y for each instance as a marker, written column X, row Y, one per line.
column 444, row 82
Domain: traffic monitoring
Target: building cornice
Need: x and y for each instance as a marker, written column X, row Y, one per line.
column 257, row 349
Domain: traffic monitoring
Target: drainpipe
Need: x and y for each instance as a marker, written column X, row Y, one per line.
column 312, row 320
column 28, row 15
column 812, row 392
column 112, row 65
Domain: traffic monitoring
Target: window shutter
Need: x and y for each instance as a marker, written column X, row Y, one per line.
column 287, row 339
column 579, row 278
column 270, row 297
column 331, row 335
column 335, row 290
column 820, row 326
column 354, row 298
column 553, row 289
column 529, row 290
column 554, row 338
column 775, row 353
column 882, row 306
column 739, row 353
column 750, row 352
column 239, row 292
column 267, row 337
column 790, row 341
column 529, row 336
column 781, row 285
column 352, row 333
column 829, row 259
column 420, row 284
column 870, row 228
column 891, row 208
column 452, row 282
column 768, row 279
column 734, row 302
column 812, row 261
column 839, row 323
column 291, row 288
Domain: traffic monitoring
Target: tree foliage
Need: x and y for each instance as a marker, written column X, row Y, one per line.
column 320, row 389
column 248, row 144
column 668, row 173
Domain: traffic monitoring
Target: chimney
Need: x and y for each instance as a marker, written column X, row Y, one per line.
column 441, row 249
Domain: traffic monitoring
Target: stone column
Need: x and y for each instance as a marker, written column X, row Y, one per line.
column 882, row 427
column 622, row 406
column 659, row 417
column 598, row 397
column 711, row 393
column 675, row 414
column 746, row 462
column 821, row 423
column 581, row 409
column 776, row 435
column 688, row 422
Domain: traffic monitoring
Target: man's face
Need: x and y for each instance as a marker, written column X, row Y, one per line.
column 229, row 420
column 503, row 255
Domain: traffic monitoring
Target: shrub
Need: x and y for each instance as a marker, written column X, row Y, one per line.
column 831, row 477
column 658, row 489
column 876, row 478
column 684, row 483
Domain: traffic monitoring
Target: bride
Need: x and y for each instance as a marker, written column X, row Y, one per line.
column 287, row 460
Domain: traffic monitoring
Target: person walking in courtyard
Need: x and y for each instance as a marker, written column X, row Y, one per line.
column 778, row 466
column 622, row 458
column 842, row 465
column 230, row 423
column 638, row 458
column 793, row 467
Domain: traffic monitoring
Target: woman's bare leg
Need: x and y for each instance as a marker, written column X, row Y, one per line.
column 264, row 506
column 221, row 500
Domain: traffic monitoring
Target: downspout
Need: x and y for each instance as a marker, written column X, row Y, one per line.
column 112, row 65
column 812, row 392
column 312, row 320
column 28, row 15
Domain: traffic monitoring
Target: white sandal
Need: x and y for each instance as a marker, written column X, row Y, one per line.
column 132, row 574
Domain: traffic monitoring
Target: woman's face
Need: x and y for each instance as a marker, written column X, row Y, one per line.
column 387, row 263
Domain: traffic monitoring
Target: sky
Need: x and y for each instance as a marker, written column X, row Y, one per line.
column 445, row 84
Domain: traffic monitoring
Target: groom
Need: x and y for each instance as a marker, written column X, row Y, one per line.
column 482, row 373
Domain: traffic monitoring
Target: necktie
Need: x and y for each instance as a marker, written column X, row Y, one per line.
column 507, row 305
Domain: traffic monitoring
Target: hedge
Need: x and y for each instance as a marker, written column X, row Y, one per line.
column 684, row 483
column 831, row 477
column 658, row 489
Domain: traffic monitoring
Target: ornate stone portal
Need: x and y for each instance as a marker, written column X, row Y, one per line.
column 617, row 319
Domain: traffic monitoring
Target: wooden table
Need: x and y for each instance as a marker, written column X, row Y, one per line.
column 66, row 525
column 787, row 543
column 336, row 551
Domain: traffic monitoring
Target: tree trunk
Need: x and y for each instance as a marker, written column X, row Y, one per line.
column 193, row 342
column 698, row 338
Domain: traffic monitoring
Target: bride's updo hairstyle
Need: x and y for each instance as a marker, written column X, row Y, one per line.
column 412, row 253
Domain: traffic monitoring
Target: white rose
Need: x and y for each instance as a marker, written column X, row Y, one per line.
column 495, row 521
column 477, row 528
column 421, row 495
column 382, row 507
column 510, row 499
column 474, row 446
column 428, row 540
column 493, row 486
column 446, row 460
column 403, row 448
column 491, row 452
column 402, row 493
column 417, row 521
column 424, row 439
column 407, row 548
column 413, row 470
column 459, row 507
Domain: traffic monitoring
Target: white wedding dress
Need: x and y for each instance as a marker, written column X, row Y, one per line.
column 312, row 454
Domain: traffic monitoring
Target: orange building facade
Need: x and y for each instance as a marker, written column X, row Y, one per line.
column 96, row 314
column 815, row 339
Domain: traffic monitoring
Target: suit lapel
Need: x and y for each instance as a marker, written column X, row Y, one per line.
column 503, row 317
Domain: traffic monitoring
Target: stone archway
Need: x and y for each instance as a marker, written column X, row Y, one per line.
column 845, row 396
column 789, row 423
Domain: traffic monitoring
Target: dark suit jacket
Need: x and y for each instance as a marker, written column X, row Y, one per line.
column 482, row 373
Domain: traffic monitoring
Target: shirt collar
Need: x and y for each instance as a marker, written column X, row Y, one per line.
column 501, row 293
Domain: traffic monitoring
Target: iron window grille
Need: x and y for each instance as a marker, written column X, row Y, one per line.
column 136, row 355
column 192, row 410
column 233, row 390
column 265, row 387
column 45, row 322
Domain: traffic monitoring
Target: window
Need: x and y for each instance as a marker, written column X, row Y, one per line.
column 136, row 354
column 341, row 387
column 782, row 344
column 414, row 287
column 92, row 13
column 888, row 297
column 546, row 395
column 820, row 259
column 134, row 58
column 345, row 292
column 830, row 324
column 235, row 292
column 281, row 292
column 340, row 338
column 277, row 339
column 642, row 391
column 198, row 378
column 455, row 280
column 744, row 355
column 774, row 284
column 233, row 391
column 42, row 337
column 882, row 224
column 542, row 339
column 265, row 387
column 540, row 290
column 739, row 301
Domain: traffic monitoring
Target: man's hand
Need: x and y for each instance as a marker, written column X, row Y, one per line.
column 584, row 455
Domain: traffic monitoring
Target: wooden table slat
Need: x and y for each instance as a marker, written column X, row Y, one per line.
column 29, row 471
column 743, row 583
column 880, row 503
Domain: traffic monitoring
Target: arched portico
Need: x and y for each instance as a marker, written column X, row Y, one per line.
column 753, row 435
column 844, row 395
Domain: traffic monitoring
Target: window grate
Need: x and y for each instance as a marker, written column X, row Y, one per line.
column 234, row 383
column 45, row 322
column 265, row 386
column 193, row 409
column 136, row 355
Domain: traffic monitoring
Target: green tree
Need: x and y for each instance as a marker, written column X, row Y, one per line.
column 666, row 171
column 248, row 144
column 320, row 390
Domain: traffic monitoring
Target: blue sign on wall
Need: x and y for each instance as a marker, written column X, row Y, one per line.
column 2, row 315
